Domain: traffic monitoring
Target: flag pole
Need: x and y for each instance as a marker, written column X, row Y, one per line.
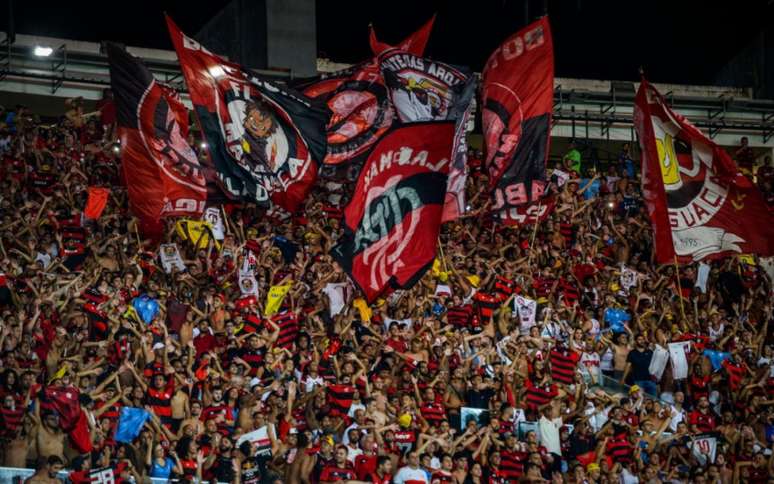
column 443, row 257
column 534, row 232
column 679, row 288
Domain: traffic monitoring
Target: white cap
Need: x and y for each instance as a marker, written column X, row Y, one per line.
column 158, row 346
column 254, row 382
column 196, row 332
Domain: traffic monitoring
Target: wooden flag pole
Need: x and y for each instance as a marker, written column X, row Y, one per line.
column 679, row 288
column 534, row 233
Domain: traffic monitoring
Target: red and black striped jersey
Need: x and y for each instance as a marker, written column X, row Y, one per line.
column 564, row 363
column 288, row 329
column 340, row 397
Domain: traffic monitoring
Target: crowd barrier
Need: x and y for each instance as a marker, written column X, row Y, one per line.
column 17, row 475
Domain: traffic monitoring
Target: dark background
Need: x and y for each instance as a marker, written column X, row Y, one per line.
column 675, row 41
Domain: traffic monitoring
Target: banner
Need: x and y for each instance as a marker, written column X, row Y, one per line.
column 704, row 447
column 264, row 139
column 526, row 309
column 533, row 212
column 274, row 298
column 700, row 206
column 162, row 172
column 414, row 43
column 247, row 284
column 517, row 101
column 96, row 203
column 195, row 231
column 422, row 89
column 170, row 258
column 658, row 362
column 213, row 217
column 628, row 278
column 678, row 359
column 392, row 222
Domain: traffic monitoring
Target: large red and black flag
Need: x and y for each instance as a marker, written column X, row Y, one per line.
column 357, row 97
column 392, row 222
column 517, row 101
column 162, row 172
column 265, row 139
column 700, row 205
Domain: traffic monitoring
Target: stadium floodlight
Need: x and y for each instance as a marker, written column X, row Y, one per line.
column 42, row 51
column 203, row 145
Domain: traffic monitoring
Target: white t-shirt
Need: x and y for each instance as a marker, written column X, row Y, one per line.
column 407, row 475
column 548, row 434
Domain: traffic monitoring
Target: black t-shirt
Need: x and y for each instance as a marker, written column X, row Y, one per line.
column 251, row 470
column 640, row 361
column 479, row 398
column 224, row 469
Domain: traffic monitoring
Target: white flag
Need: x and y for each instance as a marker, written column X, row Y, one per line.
column 704, row 447
column 170, row 258
column 679, row 361
column 526, row 309
column 212, row 215
column 248, row 285
column 658, row 362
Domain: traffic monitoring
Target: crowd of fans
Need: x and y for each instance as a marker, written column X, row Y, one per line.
column 447, row 382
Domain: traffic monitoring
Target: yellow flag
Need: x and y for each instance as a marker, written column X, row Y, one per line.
column 131, row 313
column 365, row 311
column 275, row 296
column 747, row 259
column 196, row 230
column 443, row 276
column 474, row 280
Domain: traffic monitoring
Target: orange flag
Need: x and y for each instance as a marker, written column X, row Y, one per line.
column 96, row 203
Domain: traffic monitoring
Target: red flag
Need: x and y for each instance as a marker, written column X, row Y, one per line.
column 391, row 224
column 96, row 202
column 80, row 435
column 162, row 172
column 517, row 99
column 414, row 43
column 700, row 206
column 72, row 419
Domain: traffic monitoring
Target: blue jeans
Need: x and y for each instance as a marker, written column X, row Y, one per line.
column 648, row 386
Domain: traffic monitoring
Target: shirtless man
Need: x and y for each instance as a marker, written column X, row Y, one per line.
column 47, row 471
column 49, row 438
column 193, row 421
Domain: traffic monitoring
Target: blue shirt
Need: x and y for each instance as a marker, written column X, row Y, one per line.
column 162, row 472
column 616, row 318
column 592, row 190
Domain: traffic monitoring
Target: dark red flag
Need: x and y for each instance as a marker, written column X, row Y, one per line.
column 391, row 224
column 699, row 204
column 414, row 43
column 517, row 99
column 162, row 172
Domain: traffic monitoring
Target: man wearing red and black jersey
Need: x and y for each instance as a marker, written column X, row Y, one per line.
column 340, row 469
column 383, row 472
column 702, row 419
